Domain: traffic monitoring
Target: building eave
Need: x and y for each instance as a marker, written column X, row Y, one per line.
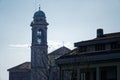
column 89, row 58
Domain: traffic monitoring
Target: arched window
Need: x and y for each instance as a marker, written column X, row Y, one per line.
column 39, row 36
column 39, row 33
column 39, row 41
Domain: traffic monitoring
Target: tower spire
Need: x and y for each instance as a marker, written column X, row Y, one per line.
column 39, row 7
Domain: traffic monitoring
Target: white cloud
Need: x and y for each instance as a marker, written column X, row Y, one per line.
column 52, row 45
column 19, row 45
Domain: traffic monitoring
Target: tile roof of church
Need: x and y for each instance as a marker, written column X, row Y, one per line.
column 23, row 66
column 60, row 51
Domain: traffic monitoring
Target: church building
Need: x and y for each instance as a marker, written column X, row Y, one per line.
column 23, row 71
column 42, row 65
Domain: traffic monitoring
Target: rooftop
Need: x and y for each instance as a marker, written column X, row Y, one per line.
column 61, row 51
column 21, row 67
column 39, row 14
column 111, row 37
column 105, row 38
column 108, row 36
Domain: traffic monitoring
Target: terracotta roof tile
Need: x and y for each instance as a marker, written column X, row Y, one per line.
column 23, row 66
column 61, row 51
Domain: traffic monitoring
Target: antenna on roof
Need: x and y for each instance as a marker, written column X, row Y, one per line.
column 63, row 43
column 39, row 7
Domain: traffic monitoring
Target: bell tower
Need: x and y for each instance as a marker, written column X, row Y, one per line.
column 39, row 48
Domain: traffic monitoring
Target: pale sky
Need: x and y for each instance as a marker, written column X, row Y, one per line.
column 69, row 21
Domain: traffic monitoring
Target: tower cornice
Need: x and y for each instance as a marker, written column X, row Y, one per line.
column 38, row 23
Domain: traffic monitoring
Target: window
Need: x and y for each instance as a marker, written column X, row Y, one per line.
column 83, row 49
column 66, row 75
column 39, row 36
column 88, row 74
column 69, row 75
column 99, row 47
column 115, row 45
column 74, row 75
column 39, row 33
column 39, row 41
column 108, row 73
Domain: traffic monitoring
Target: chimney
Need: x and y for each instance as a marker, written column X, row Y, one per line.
column 99, row 32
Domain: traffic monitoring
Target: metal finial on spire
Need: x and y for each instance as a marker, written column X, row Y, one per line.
column 39, row 7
